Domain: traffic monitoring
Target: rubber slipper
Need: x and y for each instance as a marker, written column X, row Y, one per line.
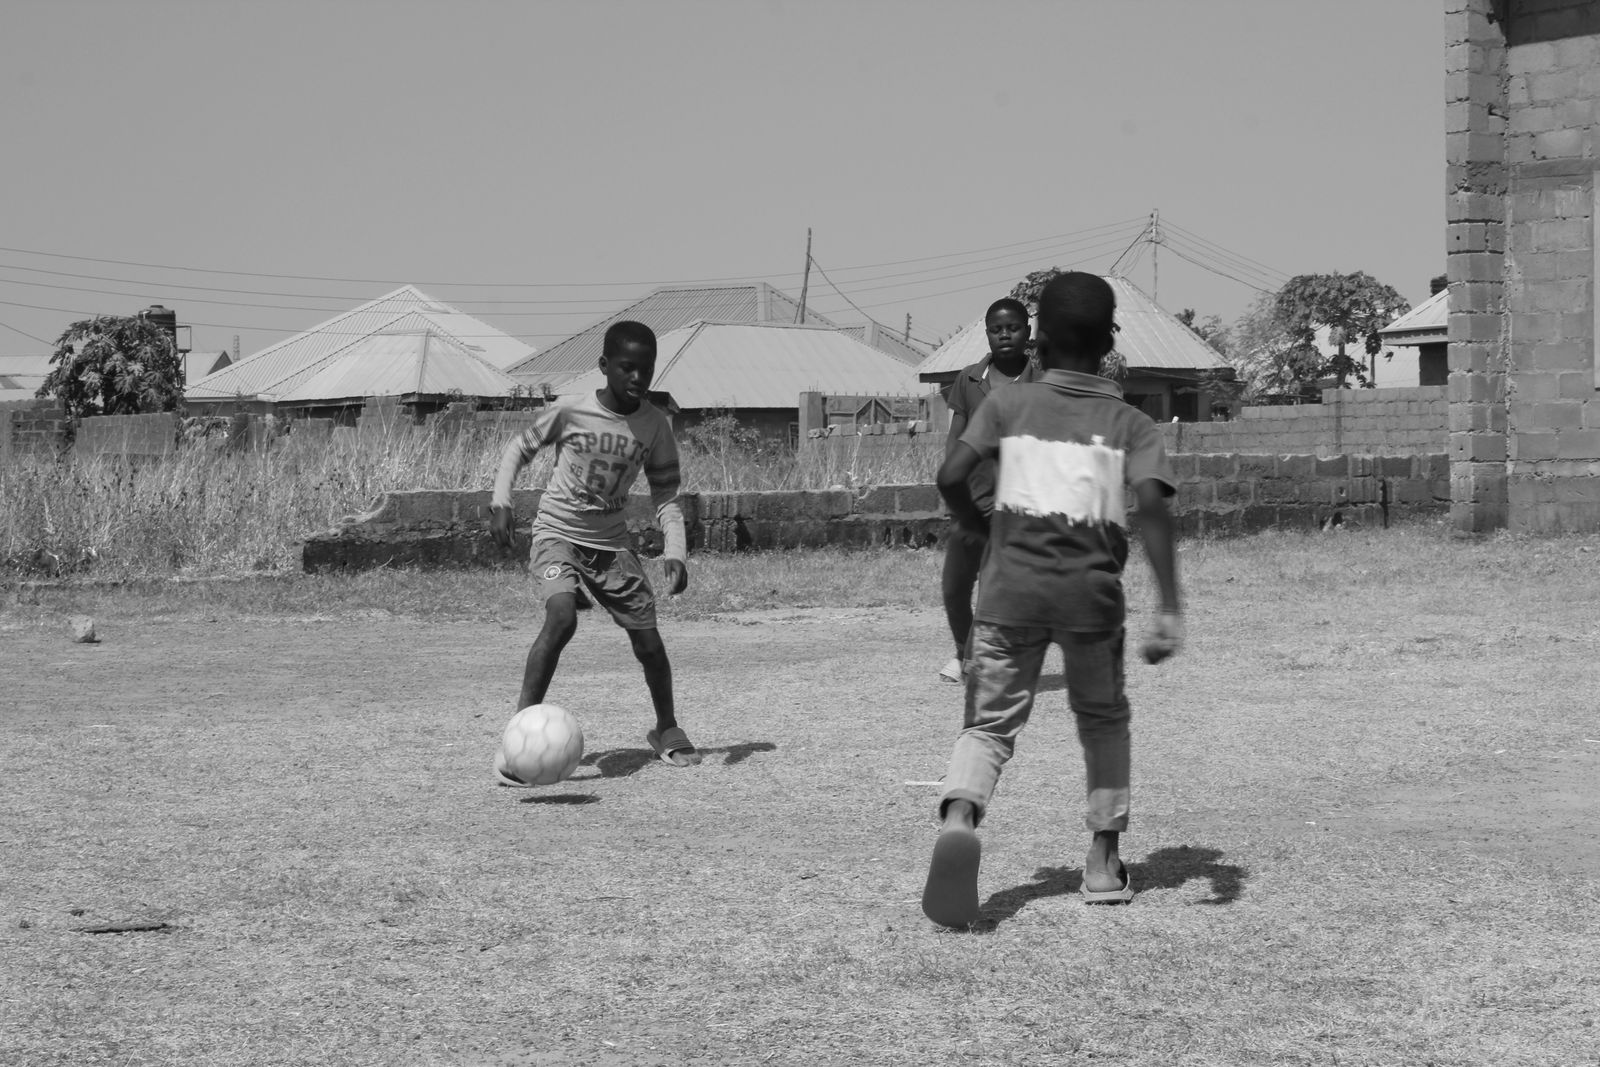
column 1109, row 896
column 951, row 896
column 670, row 742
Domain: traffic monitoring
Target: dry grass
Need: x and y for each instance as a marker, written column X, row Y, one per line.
column 210, row 510
column 1364, row 810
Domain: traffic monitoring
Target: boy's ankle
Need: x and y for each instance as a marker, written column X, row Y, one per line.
column 963, row 813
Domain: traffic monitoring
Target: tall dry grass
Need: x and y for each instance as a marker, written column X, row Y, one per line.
column 213, row 509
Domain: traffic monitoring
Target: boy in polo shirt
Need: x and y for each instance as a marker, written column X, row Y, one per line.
column 1006, row 325
column 1066, row 445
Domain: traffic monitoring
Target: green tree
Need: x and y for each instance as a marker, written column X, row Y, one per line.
column 1354, row 307
column 1209, row 329
column 115, row 365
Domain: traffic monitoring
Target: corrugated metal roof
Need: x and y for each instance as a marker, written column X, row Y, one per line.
column 283, row 365
column 664, row 310
column 197, row 365
column 887, row 341
column 764, row 365
column 402, row 364
column 1150, row 339
column 1426, row 323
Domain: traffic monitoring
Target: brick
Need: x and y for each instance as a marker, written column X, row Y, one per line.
column 1578, row 444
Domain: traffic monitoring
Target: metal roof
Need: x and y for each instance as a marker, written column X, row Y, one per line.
column 885, row 340
column 406, row 310
column 21, row 376
column 1150, row 340
column 402, row 364
column 764, row 365
column 664, row 310
column 1426, row 323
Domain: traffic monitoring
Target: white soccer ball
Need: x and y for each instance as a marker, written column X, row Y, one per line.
column 542, row 745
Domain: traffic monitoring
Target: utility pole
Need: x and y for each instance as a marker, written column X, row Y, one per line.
column 908, row 328
column 1155, row 256
column 236, row 348
column 805, row 280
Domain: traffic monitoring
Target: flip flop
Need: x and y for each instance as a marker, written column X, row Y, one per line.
column 1109, row 896
column 951, row 896
column 672, row 741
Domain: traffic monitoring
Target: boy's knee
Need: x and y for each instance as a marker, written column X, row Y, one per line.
column 647, row 645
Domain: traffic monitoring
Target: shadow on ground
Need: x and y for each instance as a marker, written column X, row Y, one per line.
column 622, row 762
column 1165, row 868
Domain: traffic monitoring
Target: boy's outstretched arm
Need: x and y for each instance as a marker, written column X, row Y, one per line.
column 502, row 516
column 1156, row 530
column 957, row 467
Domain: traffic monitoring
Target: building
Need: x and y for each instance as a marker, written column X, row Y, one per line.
column 1414, row 346
column 1172, row 373
column 1522, row 136
column 756, row 372
column 672, row 307
column 446, row 346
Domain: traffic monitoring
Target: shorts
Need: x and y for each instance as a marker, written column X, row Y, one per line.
column 614, row 579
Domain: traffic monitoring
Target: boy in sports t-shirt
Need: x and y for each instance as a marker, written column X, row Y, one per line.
column 1067, row 445
column 580, row 538
column 1006, row 324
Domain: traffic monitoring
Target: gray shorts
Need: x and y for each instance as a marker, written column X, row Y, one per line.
column 613, row 579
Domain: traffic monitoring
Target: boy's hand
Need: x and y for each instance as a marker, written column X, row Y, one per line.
column 501, row 523
column 1164, row 639
column 975, row 536
column 677, row 576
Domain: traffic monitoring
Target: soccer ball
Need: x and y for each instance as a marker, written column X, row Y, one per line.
column 542, row 745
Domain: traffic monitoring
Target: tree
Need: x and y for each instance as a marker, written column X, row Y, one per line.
column 1354, row 307
column 1209, row 329
column 115, row 365
column 1266, row 356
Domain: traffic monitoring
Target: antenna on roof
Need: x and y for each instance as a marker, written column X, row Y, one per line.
column 1155, row 255
column 805, row 280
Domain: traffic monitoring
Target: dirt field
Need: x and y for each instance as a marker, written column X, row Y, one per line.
column 306, row 804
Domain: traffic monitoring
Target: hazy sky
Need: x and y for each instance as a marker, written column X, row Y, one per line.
column 540, row 164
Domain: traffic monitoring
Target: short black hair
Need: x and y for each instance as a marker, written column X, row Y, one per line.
column 628, row 332
column 1077, row 314
column 1005, row 303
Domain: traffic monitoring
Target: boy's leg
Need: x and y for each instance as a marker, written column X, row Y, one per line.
column 557, row 567
column 1004, row 675
column 1005, row 667
column 560, row 622
column 962, row 559
column 619, row 585
column 1094, row 669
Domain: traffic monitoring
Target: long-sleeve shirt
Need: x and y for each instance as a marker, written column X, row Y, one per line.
column 599, row 454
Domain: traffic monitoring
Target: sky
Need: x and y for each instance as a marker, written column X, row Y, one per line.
column 261, row 167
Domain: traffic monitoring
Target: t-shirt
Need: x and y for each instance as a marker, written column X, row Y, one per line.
column 967, row 393
column 1067, row 446
column 599, row 454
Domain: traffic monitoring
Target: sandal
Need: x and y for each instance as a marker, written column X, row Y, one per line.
column 672, row 742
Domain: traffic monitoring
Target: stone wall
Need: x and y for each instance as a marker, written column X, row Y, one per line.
column 1375, row 422
column 37, row 426
column 1217, row 495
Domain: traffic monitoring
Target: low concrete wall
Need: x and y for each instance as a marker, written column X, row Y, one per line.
column 1372, row 422
column 1217, row 495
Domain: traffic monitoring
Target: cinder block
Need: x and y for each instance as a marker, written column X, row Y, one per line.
column 1578, row 444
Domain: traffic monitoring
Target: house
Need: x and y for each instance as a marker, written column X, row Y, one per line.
column 756, row 371
column 439, row 331
column 21, row 376
column 1415, row 346
column 886, row 340
column 672, row 307
column 1172, row 373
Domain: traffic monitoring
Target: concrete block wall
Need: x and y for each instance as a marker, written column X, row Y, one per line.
column 1378, row 422
column 127, row 435
column 31, row 426
column 1523, row 142
column 1217, row 495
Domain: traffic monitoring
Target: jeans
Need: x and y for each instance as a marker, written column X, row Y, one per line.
column 1001, row 683
column 963, row 557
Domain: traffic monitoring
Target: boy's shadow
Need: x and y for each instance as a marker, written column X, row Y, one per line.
column 622, row 762
column 1165, row 868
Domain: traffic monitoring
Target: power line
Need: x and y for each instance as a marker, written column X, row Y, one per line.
column 24, row 333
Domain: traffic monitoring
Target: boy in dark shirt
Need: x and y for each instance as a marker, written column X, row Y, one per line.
column 1006, row 324
column 1066, row 446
